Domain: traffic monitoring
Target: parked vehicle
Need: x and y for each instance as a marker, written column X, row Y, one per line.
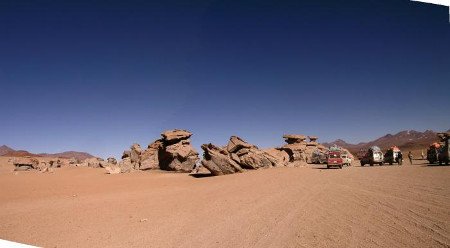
column 347, row 159
column 319, row 157
column 433, row 153
column 393, row 155
column 334, row 159
column 372, row 156
column 444, row 151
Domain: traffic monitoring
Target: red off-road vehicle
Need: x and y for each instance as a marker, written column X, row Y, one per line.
column 335, row 159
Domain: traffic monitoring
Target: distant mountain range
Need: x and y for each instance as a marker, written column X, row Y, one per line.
column 8, row 151
column 406, row 140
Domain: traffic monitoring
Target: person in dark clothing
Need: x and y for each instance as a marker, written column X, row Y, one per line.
column 400, row 158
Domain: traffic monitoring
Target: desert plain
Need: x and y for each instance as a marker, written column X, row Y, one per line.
column 311, row 206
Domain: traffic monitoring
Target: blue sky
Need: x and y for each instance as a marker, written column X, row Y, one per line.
column 97, row 76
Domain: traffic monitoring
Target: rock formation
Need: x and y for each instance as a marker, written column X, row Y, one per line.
column 177, row 152
column 239, row 155
column 249, row 156
column 299, row 150
column 149, row 158
column 235, row 156
column 24, row 164
column 173, row 152
column 218, row 161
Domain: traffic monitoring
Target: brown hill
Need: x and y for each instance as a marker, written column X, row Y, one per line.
column 19, row 153
column 406, row 140
column 9, row 152
column 5, row 149
column 68, row 154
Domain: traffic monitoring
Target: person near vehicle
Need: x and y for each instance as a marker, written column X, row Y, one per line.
column 399, row 158
column 410, row 156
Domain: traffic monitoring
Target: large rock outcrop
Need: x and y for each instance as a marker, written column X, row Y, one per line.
column 235, row 156
column 218, row 161
column 299, row 150
column 249, row 156
column 149, row 158
column 177, row 152
column 24, row 164
column 173, row 152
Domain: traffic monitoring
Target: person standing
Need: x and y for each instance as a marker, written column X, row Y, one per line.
column 410, row 156
column 400, row 158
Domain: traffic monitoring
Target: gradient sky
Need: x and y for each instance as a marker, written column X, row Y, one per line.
column 97, row 76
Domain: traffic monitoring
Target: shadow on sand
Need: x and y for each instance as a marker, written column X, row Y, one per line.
column 433, row 165
column 201, row 175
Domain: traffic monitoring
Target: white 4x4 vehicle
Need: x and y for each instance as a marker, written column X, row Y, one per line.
column 346, row 159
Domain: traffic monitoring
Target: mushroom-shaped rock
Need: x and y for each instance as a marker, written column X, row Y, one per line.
column 218, row 161
column 176, row 135
column 294, row 138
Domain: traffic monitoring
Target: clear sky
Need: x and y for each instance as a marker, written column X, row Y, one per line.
column 97, row 76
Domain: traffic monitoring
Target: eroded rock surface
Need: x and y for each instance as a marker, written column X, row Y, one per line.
column 218, row 161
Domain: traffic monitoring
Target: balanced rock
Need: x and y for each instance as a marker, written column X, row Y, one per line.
column 294, row 138
column 175, row 135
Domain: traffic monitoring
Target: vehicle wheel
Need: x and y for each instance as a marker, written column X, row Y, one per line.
column 328, row 167
column 340, row 166
column 362, row 164
column 381, row 163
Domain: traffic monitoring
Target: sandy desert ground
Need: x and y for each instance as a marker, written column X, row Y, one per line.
column 389, row 206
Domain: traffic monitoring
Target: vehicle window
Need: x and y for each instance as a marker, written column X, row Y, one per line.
column 333, row 155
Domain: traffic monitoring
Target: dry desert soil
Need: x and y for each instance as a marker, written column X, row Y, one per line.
column 388, row 206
